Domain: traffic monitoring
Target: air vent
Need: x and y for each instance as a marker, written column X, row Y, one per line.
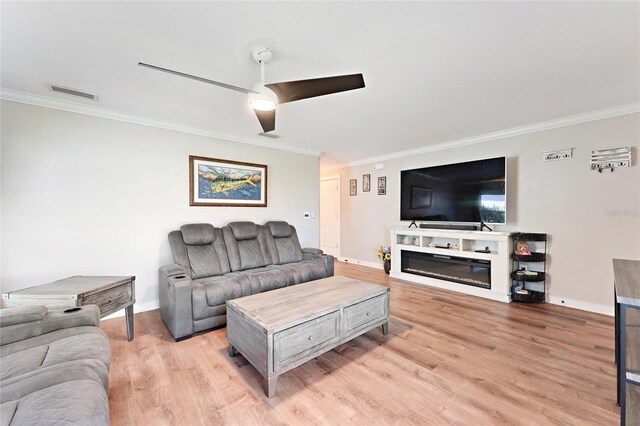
column 269, row 135
column 73, row 92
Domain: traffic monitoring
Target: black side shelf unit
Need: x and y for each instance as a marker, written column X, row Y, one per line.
column 529, row 270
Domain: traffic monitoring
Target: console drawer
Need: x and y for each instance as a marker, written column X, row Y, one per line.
column 111, row 300
column 365, row 312
column 303, row 339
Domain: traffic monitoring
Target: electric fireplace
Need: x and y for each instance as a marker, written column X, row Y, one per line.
column 463, row 270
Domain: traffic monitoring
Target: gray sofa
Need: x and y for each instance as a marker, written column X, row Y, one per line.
column 54, row 367
column 213, row 265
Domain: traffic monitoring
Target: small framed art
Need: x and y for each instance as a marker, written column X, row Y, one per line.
column 382, row 185
column 353, row 187
column 366, row 183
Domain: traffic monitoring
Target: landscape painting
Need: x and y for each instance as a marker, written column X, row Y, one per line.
column 216, row 182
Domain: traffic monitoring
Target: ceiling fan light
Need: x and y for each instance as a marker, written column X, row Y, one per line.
column 262, row 104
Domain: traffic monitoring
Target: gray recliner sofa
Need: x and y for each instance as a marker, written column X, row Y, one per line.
column 54, row 367
column 213, row 265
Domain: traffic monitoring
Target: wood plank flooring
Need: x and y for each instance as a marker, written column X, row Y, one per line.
column 448, row 359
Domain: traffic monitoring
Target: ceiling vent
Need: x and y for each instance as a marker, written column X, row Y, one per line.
column 73, row 92
column 269, row 135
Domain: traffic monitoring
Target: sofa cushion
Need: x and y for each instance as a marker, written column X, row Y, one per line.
column 282, row 243
column 197, row 234
column 245, row 247
column 279, row 229
column 78, row 402
column 244, row 230
column 303, row 271
column 54, row 348
column 85, row 369
column 268, row 278
column 203, row 261
column 215, row 291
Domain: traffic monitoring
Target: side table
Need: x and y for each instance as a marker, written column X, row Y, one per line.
column 110, row 293
column 627, row 297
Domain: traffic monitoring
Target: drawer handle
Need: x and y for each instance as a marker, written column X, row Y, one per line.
column 109, row 300
column 310, row 337
column 368, row 314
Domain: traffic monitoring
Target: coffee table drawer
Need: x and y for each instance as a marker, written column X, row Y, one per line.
column 365, row 312
column 111, row 300
column 299, row 341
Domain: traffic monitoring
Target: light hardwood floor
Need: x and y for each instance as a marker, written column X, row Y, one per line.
column 448, row 359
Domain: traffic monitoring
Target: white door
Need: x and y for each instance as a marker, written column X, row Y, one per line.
column 330, row 215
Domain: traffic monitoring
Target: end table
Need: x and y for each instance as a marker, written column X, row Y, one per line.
column 110, row 293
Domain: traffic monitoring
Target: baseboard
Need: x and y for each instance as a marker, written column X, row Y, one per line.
column 554, row 300
column 361, row 262
column 583, row 306
column 137, row 308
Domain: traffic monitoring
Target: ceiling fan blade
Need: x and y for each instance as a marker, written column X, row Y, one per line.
column 267, row 119
column 290, row 91
column 193, row 77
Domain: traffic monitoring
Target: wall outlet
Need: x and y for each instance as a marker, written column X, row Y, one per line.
column 561, row 154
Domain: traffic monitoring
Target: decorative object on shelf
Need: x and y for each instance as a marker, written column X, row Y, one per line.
column 366, row 183
column 384, row 253
column 522, row 248
column 216, row 182
column 610, row 158
column 353, row 187
column 529, row 285
column 382, row 185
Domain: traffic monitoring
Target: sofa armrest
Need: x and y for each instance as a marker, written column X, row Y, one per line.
column 327, row 259
column 22, row 314
column 312, row 250
column 53, row 320
column 175, row 301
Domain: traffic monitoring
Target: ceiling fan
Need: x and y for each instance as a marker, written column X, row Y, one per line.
column 264, row 97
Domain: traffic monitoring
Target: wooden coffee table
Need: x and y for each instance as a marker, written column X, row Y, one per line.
column 110, row 294
column 281, row 329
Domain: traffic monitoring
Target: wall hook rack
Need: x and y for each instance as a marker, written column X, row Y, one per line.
column 610, row 158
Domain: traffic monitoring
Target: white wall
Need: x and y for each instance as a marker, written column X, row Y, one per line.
column 590, row 217
column 90, row 196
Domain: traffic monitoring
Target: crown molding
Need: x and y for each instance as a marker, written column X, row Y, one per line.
column 96, row 111
column 600, row 114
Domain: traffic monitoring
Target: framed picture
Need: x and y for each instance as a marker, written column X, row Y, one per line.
column 366, row 183
column 420, row 197
column 382, row 185
column 353, row 187
column 216, row 182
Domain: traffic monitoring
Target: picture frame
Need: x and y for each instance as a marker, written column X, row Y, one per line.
column 366, row 183
column 353, row 187
column 382, row 185
column 214, row 182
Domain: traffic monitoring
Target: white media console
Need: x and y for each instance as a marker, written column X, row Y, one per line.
column 421, row 256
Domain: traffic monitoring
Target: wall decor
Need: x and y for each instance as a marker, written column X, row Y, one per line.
column 353, row 187
column 382, row 185
column 216, row 182
column 366, row 183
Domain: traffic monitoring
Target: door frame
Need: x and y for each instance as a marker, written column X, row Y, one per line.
column 338, row 178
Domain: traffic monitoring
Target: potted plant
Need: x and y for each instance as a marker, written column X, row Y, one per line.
column 384, row 253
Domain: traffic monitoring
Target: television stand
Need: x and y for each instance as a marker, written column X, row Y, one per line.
column 413, row 223
column 417, row 253
column 484, row 225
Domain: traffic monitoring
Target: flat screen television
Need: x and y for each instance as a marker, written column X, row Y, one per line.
column 470, row 192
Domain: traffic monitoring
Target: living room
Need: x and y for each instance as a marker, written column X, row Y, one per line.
column 93, row 187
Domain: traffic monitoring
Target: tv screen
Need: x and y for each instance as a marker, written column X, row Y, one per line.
column 474, row 191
